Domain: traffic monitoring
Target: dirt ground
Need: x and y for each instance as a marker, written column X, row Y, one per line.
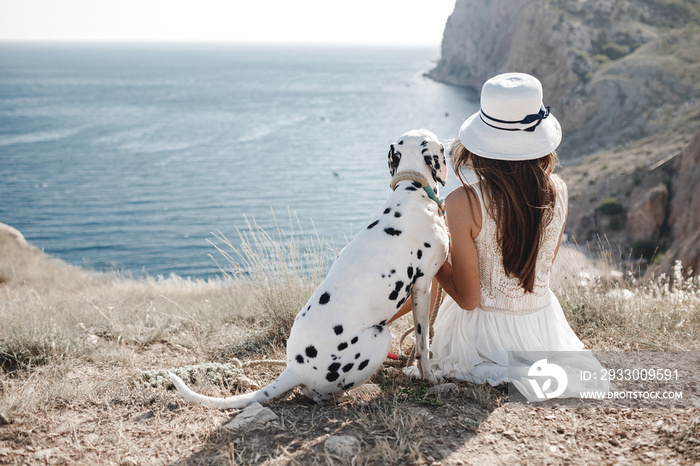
column 103, row 414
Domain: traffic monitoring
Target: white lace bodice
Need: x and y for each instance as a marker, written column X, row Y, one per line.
column 502, row 293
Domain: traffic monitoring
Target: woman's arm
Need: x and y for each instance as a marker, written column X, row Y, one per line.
column 459, row 276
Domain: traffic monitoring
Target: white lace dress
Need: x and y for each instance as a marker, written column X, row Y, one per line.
column 476, row 345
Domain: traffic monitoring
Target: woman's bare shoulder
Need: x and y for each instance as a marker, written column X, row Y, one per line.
column 462, row 205
column 461, row 198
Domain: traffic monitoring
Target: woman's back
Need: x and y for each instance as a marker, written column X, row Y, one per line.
column 503, row 293
column 504, row 261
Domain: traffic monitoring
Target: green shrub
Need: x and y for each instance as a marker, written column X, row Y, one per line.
column 614, row 51
column 601, row 59
column 645, row 248
column 610, row 206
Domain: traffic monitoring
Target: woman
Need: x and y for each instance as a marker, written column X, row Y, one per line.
column 500, row 317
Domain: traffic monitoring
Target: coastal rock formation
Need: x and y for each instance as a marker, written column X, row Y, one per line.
column 13, row 237
column 648, row 216
column 684, row 214
column 613, row 70
column 483, row 39
column 623, row 78
column 23, row 264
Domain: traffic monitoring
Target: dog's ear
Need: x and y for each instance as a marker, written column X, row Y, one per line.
column 394, row 159
column 434, row 156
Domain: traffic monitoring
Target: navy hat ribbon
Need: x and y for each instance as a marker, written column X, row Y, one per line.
column 521, row 125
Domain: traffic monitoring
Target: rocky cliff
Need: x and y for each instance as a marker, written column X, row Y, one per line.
column 613, row 70
column 684, row 209
column 623, row 78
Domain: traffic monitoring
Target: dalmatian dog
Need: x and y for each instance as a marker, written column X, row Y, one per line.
column 338, row 339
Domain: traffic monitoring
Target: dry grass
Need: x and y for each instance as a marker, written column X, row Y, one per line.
column 74, row 345
column 611, row 310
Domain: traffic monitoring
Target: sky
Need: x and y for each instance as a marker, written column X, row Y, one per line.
column 385, row 22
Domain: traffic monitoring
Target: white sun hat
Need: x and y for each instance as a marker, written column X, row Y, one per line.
column 512, row 123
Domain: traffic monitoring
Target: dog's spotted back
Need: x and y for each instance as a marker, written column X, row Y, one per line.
column 339, row 338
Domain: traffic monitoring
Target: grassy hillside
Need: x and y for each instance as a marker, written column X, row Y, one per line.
column 78, row 351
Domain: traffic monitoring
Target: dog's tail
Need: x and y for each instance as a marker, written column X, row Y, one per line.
column 285, row 382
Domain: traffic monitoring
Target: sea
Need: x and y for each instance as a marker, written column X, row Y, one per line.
column 134, row 157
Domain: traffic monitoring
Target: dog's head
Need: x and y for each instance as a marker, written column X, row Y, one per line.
column 419, row 150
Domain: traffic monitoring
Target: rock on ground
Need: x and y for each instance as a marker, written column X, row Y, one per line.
column 254, row 415
column 444, row 388
column 346, row 446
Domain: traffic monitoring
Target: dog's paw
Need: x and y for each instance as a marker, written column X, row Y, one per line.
column 412, row 371
column 427, row 375
column 431, row 378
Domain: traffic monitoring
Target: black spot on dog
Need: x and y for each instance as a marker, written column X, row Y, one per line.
column 397, row 214
column 357, row 356
column 363, row 364
column 334, row 367
column 394, row 158
column 411, row 188
column 379, row 329
column 397, row 288
column 427, row 245
column 332, row 376
column 400, row 143
column 393, row 271
column 338, row 329
column 400, row 303
column 372, row 225
column 387, row 210
column 325, row 297
column 300, row 359
column 342, row 346
column 424, row 143
column 383, row 322
column 417, row 356
column 419, row 330
column 419, row 254
column 354, row 340
column 417, row 185
column 334, row 357
column 392, row 231
column 311, row 351
column 266, row 394
column 348, row 386
column 409, row 271
column 315, row 368
column 424, row 151
column 347, row 367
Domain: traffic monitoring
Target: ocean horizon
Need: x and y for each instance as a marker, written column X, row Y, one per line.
column 128, row 156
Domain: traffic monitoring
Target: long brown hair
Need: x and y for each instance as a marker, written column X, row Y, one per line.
column 521, row 201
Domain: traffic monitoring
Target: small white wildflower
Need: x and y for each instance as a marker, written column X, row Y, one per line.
column 677, row 275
